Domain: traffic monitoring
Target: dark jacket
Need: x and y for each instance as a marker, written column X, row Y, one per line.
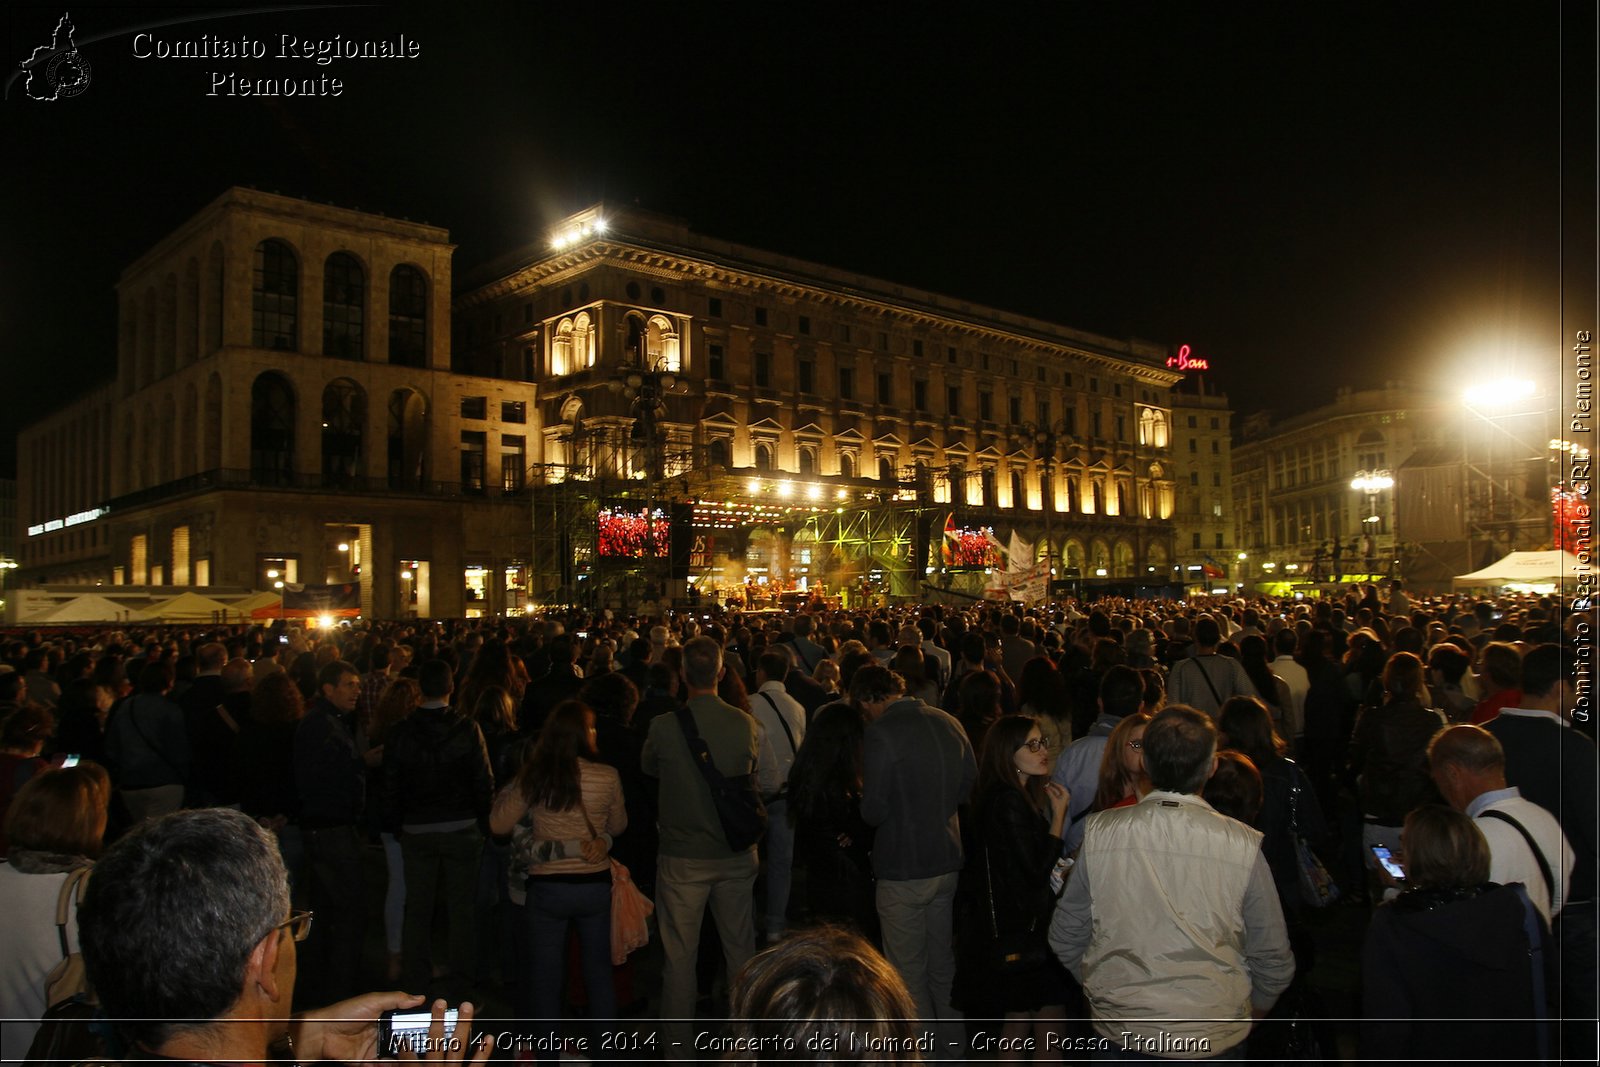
column 328, row 773
column 1446, row 974
column 1390, row 755
column 211, row 741
column 1013, row 851
column 436, row 770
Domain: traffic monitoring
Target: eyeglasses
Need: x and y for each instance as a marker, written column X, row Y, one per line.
column 1137, row 746
column 299, row 925
column 1034, row 744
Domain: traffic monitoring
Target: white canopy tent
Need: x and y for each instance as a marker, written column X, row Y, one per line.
column 90, row 607
column 1548, row 568
column 185, row 607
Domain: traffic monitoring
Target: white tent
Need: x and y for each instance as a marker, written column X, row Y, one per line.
column 90, row 608
column 185, row 607
column 1552, row 566
column 242, row 609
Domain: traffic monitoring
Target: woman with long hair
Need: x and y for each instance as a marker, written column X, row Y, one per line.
column 1123, row 779
column 1274, row 690
column 831, row 840
column 1389, row 753
column 1288, row 804
column 561, row 810
column 1042, row 692
column 491, row 667
column 1019, row 814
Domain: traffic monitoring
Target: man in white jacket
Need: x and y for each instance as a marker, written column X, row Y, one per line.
column 1170, row 919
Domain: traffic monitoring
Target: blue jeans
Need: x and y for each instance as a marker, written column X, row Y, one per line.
column 551, row 906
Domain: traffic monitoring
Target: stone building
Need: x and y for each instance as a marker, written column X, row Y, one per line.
column 300, row 400
column 1203, row 522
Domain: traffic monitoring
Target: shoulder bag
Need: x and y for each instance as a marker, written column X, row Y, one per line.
column 736, row 798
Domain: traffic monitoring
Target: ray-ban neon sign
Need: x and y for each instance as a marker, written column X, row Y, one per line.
column 1184, row 361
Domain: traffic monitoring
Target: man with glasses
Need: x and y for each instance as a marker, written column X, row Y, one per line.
column 191, row 947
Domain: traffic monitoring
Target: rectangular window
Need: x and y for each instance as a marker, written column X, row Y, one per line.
column 474, row 444
column 763, row 369
column 714, row 361
column 1216, row 448
column 527, row 313
column 1042, row 413
column 883, row 341
column 952, row 399
column 807, row 378
column 1116, row 389
column 919, row 394
column 985, row 405
column 714, row 306
column 950, row 354
column 138, row 560
column 1215, row 423
column 1193, row 422
column 916, row 349
column 1219, row 541
column 1197, row 540
column 844, row 332
column 513, row 411
column 1070, row 417
column 1095, row 423
column 847, row 383
column 885, row 388
column 202, row 572
column 513, row 461
column 1194, row 446
column 474, row 407
column 180, row 555
column 1016, row 410
column 805, row 323
column 1094, row 385
column 1122, row 427
column 1038, row 373
column 761, row 316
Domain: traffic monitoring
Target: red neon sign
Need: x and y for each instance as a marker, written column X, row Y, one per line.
column 1184, row 361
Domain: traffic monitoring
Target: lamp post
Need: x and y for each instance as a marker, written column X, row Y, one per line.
column 1045, row 440
column 1514, row 456
column 1372, row 483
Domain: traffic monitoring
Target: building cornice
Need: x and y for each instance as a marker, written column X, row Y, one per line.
column 1006, row 328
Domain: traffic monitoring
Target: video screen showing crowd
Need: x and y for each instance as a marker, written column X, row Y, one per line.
column 1119, row 829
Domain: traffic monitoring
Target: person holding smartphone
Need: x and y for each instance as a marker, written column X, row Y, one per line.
column 201, row 968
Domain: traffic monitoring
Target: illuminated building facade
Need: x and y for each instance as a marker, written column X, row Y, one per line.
column 299, row 400
column 1204, row 525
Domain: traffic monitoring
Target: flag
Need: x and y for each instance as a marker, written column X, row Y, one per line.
column 1020, row 556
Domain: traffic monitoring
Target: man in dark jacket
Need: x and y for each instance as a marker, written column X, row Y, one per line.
column 332, row 785
column 212, row 729
column 438, row 786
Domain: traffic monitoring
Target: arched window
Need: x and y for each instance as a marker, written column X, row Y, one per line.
column 847, row 464
column 986, row 482
column 661, row 341
column 271, row 430
column 213, row 305
column 408, row 435
column 582, row 341
column 717, row 453
column 763, row 456
column 189, row 314
column 1122, row 560
column 344, row 307
column 187, row 432
column 1122, row 498
column 1099, row 489
column 212, row 460
column 168, row 350
column 344, row 418
column 561, row 349
column 885, row 469
column 1019, row 495
column 274, row 304
column 1074, row 501
column 808, row 459
column 408, row 317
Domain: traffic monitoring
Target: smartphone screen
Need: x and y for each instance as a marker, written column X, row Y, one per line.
column 1386, row 858
column 409, row 1029
column 70, row 761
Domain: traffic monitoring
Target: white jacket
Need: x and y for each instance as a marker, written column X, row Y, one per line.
column 1171, row 922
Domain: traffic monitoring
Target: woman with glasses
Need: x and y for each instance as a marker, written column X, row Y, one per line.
column 562, row 810
column 1019, row 814
column 1122, row 776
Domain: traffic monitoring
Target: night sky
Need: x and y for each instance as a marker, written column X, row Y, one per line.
column 1309, row 195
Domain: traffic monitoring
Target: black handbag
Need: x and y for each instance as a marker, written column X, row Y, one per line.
column 1015, row 950
column 737, row 800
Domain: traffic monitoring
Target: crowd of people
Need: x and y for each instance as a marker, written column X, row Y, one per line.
column 1076, row 821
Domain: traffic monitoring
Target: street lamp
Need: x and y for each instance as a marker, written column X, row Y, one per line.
column 1045, row 441
column 1512, row 458
column 1372, row 483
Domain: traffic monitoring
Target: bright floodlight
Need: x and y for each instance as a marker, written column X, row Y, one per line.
column 325, row 621
column 785, row 489
column 1499, row 394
